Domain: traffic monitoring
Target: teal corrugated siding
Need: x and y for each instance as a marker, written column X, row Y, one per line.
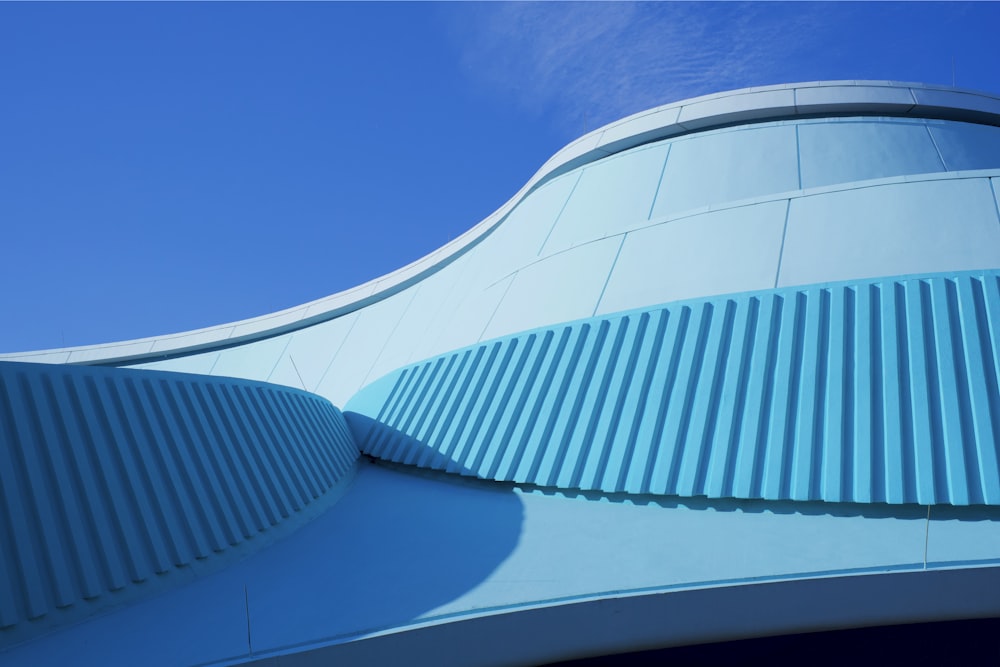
column 870, row 391
column 112, row 477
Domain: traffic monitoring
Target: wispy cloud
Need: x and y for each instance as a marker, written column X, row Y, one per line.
column 594, row 62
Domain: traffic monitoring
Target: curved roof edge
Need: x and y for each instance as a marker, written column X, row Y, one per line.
column 624, row 622
column 747, row 105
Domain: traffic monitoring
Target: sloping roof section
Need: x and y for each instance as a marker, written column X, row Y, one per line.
column 877, row 391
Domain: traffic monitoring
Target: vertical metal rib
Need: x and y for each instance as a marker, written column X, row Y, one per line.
column 113, row 477
column 868, row 391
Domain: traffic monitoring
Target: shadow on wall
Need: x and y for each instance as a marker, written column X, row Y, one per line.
column 118, row 484
column 878, row 391
column 395, row 548
column 393, row 445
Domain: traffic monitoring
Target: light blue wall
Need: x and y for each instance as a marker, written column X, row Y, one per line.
column 726, row 165
column 731, row 250
column 115, row 483
column 407, row 564
column 876, row 391
column 891, row 229
column 842, row 150
column 704, row 214
column 608, row 197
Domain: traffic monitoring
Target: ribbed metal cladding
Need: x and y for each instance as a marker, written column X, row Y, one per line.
column 869, row 391
column 113, row 477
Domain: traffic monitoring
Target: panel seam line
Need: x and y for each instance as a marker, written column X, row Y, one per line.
column 559, row 215
column 280, row 357
column 659, row 183
column 499, row 303
column 937, row 150
column 337, row 353
column 798, row 155
column 611, row 270
column 996, row 202
column 927, row 534
column 781, row 249
column 392, row 333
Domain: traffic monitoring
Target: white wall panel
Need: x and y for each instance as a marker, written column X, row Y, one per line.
column 362, row 347
column 464, row 325
column 893, row 229
column 518, row 240
column 611, row 196
column 953, row 536
column 310, row 352
column 422, row 318
column 458, row 313
column 734, row 250
column 728, row 165
column 563, row 287
column 967, row 146
column 845, row 150
column 254, row 361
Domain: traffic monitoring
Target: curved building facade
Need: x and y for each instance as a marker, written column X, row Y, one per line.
column 727, row 368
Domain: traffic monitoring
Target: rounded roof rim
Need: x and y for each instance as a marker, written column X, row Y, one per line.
column 741, row 106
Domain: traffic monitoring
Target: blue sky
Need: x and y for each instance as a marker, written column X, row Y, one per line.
column 169, row 166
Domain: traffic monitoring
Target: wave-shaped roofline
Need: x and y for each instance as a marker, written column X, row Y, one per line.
column 737, row 107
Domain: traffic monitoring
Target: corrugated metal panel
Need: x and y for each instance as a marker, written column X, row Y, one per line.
column 113, row 477
column 872, row 391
